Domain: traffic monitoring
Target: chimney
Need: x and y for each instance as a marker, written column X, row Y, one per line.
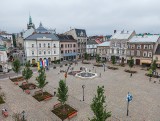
column 115, row 31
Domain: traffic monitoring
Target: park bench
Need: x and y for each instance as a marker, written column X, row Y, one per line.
column 56, row 105
column 27, row 91
column 71, row 115
column 47, row 98
column 37, row 92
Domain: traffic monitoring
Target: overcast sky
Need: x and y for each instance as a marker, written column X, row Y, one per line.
column 98, row 17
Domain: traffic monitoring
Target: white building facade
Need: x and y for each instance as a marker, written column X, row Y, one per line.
column 118, row 44
column 41, row 46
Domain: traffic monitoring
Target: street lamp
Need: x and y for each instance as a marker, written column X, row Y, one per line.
column 83, row 86
column 23, row 114
column 129, row 98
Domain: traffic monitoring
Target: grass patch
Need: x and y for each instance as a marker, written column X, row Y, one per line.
column 63, row 114
column 41, row 97
column 1, row 100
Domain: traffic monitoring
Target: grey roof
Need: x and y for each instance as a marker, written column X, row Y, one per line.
column 81, row 33
column 41, row 29
column 3, row 38
column 122, row 35
column 90, row 42
column 144, row 38
column 66, row 38
column 158, row 50
column 34, row 36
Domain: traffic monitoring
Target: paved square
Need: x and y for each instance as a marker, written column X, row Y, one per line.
column 144, row 107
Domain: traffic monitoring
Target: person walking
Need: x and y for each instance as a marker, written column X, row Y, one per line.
column 100, row 75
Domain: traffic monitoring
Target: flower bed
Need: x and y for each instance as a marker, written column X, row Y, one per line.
column 112, row 68
column 17, row 79
column 73, row 73
column 86, row 62
column 28, row 86
column 1, row 100
column 130, row 71
column 41, row 97
column 154, row 76
column 98, row 65
column 69, row 112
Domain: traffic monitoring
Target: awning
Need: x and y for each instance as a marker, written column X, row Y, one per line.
column 146, row 61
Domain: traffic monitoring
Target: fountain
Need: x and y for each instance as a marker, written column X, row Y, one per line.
column 86, row 74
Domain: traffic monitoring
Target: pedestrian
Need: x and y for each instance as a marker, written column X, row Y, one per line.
column 54, row 93
column 100, row 75
column 131, row 75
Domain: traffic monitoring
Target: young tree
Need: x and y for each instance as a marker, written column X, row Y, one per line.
column 16, row 66
column 98, row 106
column 62, row 93
column 86, row 56
column 98, row 58
column 41, row 79
column 113, row 59
column 154, row 66
column 27, row 72
column 131, row 63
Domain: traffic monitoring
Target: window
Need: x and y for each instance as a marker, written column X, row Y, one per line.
column 145, row 46
column 40, row 53
column 68, row 51
column 128, row 52
column 54, row 52
column 74, row 45
column 61, row 45
column 49, row 52
column 138, row 53
column 123, row 51
column 113, row 44
column 32, row 52
column 150, row 54
column 112, row 51
column 117, row 51
column 44, row 45
column 71, row 45
column 44, row 52
column 48, row 45
column 150, row 47
column 74, row 50
column 132, row 46
column 118, row 44
column 138, row 46
column 129, row 46
column 54, row 45
column 65, row 45
column 132, row 52
column 68, row 45
column 32, row 45
column 144, row 54
column 124, row 44
column 39, row 44
column 61, row 51
column 65, row 51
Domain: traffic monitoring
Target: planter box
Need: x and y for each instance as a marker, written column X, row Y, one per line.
column 17, row 79
column 39, row 97
column 130, row 71
column 112, row 68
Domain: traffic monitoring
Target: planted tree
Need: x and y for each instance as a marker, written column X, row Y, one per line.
column 98, row 106
column 97, row 58
column 113, row 59
column 154, row 66
column 27, row 72
column 86, row 56
column 150, row 73
column 131, row 63
column 41, row 79
column 16, row 66
column 62, row 93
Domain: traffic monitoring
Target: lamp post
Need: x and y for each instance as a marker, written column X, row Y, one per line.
column 83, row 86
column 23, row 115
column 129, row 98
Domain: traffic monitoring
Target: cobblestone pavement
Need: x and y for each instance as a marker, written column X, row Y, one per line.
column 144, row 107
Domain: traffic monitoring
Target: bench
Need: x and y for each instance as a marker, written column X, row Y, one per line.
column 71, row 115
column 56, row 105
column 27, row 91
column 47, row 98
